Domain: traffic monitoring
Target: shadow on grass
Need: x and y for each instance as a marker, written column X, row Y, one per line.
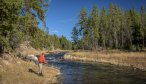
column 32, row 71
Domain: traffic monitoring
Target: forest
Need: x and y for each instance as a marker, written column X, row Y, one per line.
column 113, row 28
column 19, row 22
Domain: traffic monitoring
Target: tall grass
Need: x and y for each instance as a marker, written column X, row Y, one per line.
column 134, row 59
column 18, row 73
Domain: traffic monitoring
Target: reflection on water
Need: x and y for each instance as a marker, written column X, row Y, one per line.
column 95, row 73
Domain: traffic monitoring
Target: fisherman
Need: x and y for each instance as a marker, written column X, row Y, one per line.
column 41, row 62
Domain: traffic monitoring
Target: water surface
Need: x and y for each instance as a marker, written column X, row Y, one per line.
column 95, row 73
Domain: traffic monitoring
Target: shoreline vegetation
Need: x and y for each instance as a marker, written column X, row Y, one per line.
column 116, row 57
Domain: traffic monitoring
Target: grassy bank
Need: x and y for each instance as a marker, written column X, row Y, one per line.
column 134, row 59
column 16, row 71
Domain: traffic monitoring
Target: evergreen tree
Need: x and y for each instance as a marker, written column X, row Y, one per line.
column 9, row 18
column 83, row 21
column 75, row 37
column 122, row 29
column 56, row 42
column 103, row 28
column 65, row 44
column 128, row 30
column 114, row 25
column 137, row 33
column 143, row 23
column 116, row 29
column 94, row 25
column 39, row 6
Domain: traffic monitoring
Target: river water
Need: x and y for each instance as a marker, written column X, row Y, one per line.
column 95, row 73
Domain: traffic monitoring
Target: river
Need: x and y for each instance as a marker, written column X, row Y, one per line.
column 94, row 73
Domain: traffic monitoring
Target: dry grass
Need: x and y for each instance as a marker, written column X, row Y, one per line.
column 18, row 73
column 13, row 70
column 134, row 59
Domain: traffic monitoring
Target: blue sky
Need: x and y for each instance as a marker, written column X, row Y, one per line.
column 62, row 15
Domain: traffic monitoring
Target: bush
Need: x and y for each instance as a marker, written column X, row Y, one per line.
column 16, row 38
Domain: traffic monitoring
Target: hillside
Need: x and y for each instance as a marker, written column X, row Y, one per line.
column 15, row 70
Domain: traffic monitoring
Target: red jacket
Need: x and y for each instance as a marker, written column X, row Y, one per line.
column 41, row 59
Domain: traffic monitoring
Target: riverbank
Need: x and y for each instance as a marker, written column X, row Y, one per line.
column 133, row 59
column 14, row 70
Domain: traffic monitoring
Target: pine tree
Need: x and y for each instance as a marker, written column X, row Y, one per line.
column 116, row 29
column 83, row 21
column 103, row 28
column 56, row 42
column 40, row 6
column 137, row 30
column 9, row 17
column 65, row 44
column 114, row 25
column 122, row 29
column 110, row 26
column 94, row 27
column 75, row 37
column 143, row 24
column 128, row 30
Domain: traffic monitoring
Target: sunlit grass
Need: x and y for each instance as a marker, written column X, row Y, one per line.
column 18, row 73
column 134, row 59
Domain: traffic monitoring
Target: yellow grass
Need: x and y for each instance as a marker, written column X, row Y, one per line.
column 134, row 59
column 18, row 73
column 13, row 70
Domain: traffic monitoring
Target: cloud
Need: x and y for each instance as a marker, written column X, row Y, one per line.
column 54, row 31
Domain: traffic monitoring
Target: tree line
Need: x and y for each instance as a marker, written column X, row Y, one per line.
column 19, row 21
column 110, row 29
